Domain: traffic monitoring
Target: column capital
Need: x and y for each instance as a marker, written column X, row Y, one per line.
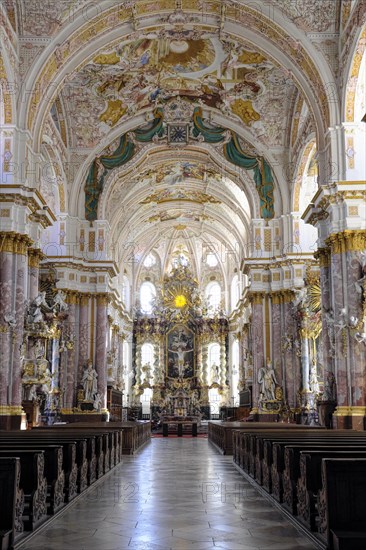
column 347, row 241
column 15, row 243
column 35, row 255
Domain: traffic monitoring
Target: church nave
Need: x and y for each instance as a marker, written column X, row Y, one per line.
column 175, row 494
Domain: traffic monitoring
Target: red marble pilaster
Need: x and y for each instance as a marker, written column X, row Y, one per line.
column 7, row 291
column 21, row 284
column 71, row 367
column 102, row 328
column 257, row 343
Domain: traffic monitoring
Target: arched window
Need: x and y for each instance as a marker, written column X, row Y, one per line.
column 150, row 260
column 147, row 354
column 213, row 354
column 235, row 359
column 213, row 295
column 126, row 292
column 147, row 295
column 211, row 259
column 235, row 292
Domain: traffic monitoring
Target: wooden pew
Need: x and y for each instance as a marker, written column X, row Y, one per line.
column 291, row 472
column 265, row 458
column 341, row 504
column 69, row 464
column 53, row 455
column 11, row 501
column 34, row 485
column 114, row 434
column 278, row 456
column 310, row 482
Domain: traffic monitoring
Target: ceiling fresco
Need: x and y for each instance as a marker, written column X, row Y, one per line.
column 218, row 73
column 311, row 15
column 173, row 172
column 154, row 205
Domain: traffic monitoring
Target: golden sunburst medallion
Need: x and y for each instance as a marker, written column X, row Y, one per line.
column 180, row 301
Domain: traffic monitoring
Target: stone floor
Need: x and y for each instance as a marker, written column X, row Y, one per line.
column 175, row 494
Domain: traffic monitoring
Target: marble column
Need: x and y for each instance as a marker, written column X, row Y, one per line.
column 223, row 365
column 70, row 354
column 34, row 257
column 257, row 334
column 21, row 284
column 291, row 353
column 83, row 334
column 347, row 249
column 7, row 261
column 276, row 339
column 102, row 328
column 326, row 352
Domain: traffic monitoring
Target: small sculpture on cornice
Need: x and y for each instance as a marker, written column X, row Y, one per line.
column 35, row 313
column 59, row 303
column 300, row 297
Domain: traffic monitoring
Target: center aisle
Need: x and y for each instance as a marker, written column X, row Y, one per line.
column 175, row 494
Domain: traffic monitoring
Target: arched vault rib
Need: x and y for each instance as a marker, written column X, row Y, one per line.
column 156, row 155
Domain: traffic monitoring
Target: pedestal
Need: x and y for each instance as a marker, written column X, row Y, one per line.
column 325, row 412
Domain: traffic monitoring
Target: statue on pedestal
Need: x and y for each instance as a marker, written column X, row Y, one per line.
column 313, row 381
column 89, row 382
column 267, row 380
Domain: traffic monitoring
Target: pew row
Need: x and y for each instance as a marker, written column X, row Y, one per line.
column 289, row 466
column 135, row 434
column 52, row 468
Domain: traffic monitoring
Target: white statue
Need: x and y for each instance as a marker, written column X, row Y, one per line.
column 361, row 337
column 97, row 402
column 59, row 303
column 215, row 373
column 35, row 309
column 46, row 380
column 300, row 296
column 89, row 382
column 32, row 393
column 267, row 380
column 342, row 323
column 313, row 381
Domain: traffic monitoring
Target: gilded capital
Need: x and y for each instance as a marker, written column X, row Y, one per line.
column 347, row 241
column 14, row 243
column 323, row 255
column 35, row 255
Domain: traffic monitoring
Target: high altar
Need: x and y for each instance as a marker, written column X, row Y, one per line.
column 179, row 331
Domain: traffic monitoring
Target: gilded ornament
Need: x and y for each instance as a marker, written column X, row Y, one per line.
column 245, row 111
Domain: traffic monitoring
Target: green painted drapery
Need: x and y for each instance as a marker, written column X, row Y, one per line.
column 234, row 153
column 124, row 152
